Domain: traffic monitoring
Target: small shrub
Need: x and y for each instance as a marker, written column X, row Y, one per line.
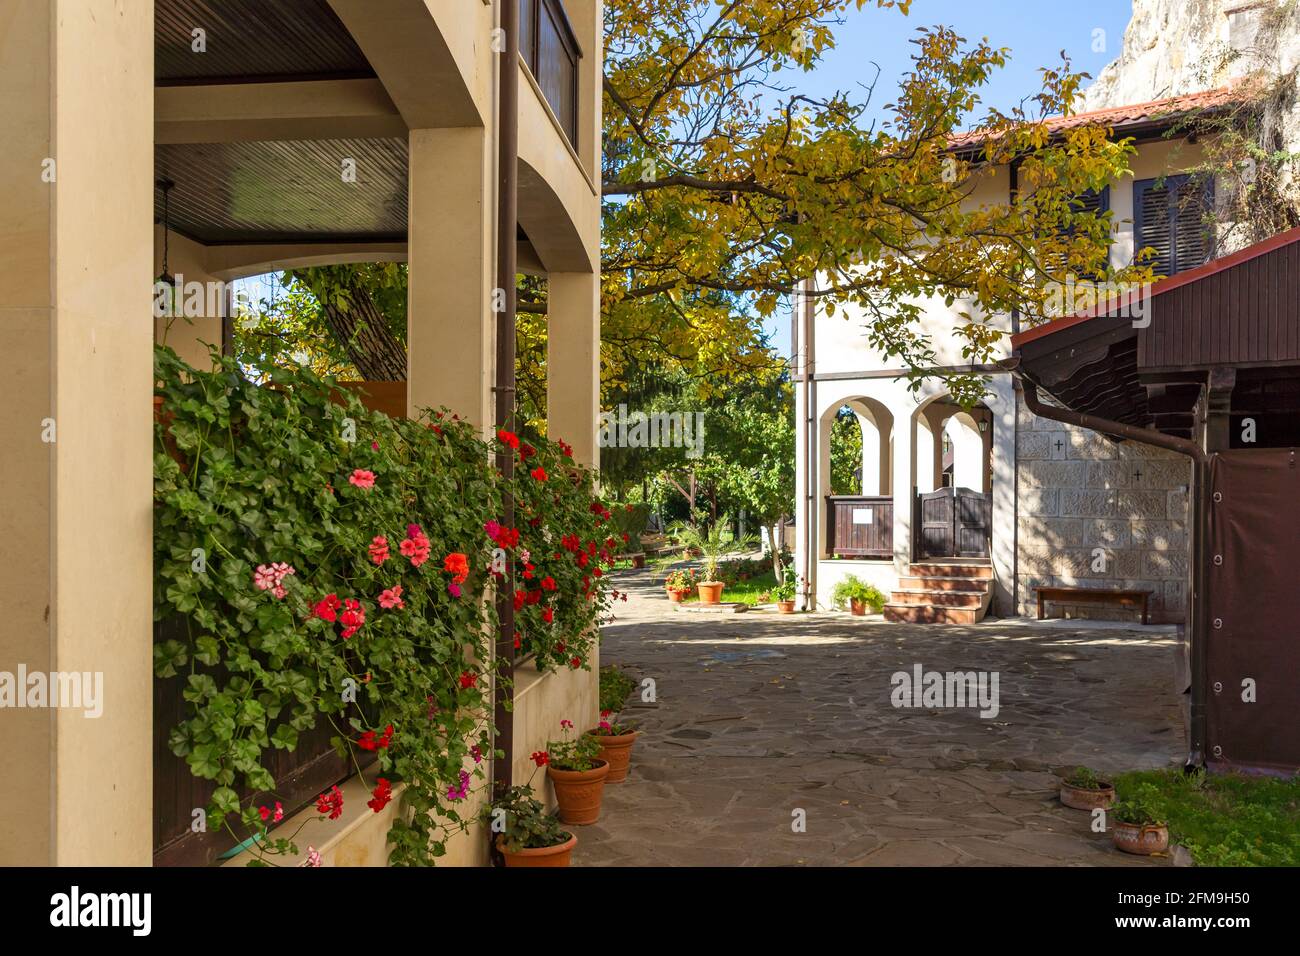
column 853, row 588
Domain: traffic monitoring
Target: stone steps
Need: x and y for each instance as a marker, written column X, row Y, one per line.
column 941, row 592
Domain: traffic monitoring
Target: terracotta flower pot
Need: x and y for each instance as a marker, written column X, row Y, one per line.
column 541, row 856
column 677, row 597
column 1081, row 798
column 858, row 608
column 638, row 561
column 1142, row 840
column 579, row 792
column 617, row 752
column 785, row 607
column 710, row 592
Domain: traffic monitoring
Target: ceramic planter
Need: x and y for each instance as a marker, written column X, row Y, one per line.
column 617, row 752
column 710, row 592
column 858, row 608
column 1081, row 798
column 677, row 597
column 785, row 607
column 579, row 792
column 541, row 856
column 1141, row 840
column 638, row 561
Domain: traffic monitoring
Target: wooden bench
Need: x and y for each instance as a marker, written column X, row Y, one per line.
column 1067, row 595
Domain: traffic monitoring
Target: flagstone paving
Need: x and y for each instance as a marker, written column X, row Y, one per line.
column 758, row 716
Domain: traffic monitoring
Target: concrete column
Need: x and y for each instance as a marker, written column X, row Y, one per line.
column 75, row 531
column 1002, row 442
column 907, row 430
column 450, row 358
column 573, row 362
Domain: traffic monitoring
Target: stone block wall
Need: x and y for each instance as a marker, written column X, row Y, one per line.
column 1080, row 492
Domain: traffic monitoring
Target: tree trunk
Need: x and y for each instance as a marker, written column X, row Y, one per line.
column 363, row 332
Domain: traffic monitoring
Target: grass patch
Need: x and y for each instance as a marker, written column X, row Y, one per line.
column 750, row 591
column 1224, row 819
column 615, row 687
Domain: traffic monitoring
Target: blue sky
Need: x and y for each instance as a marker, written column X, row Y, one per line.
column 1034, row 32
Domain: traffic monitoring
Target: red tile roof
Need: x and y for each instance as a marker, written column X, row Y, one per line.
column 1120, row 117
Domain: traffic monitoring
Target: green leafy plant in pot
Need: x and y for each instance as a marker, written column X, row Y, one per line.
column 577, row 771
column 526, row 834
column 783, row 594
column 1138, row 828
column 615, row 741
column 857, row 595
column 1082, row 789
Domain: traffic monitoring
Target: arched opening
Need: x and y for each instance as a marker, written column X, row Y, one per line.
column 856, row 482
column 953, row 472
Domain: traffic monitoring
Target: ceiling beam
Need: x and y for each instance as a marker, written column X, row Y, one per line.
column 250, row 112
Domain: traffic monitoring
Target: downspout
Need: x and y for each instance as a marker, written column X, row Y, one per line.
column 1200, row 534
column 504, row 389
column 811, row 479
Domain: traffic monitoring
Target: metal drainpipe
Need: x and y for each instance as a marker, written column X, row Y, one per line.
column 811, row 480
column 504, row 389
column 1200, row 525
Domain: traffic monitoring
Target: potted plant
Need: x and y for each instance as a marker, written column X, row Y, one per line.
column 679, row 583
column 1137, row 828
column 526, row 834
column 712, row 545
column 578, row 773
column 858, row 595
column 783, row 594
column 615, row 743
column 1084, row 790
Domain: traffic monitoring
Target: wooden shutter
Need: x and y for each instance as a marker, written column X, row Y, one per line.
column 1169, row 217
column 1096, row 203
column 1193, row 245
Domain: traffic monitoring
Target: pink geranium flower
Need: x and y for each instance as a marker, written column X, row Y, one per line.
column 461, row 792
column 379, row 549
column 362, row 478
column 391, row 597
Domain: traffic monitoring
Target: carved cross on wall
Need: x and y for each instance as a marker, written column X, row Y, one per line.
column 1137, row 475
column 1058, row 444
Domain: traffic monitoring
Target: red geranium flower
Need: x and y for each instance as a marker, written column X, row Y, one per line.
column 539, row 473
column 548, row 615
column 541, row 758
column 331, row 803
column 457, row 565
column 383, row 793
column 508, row 438
column 326, row 608
column 468, row 679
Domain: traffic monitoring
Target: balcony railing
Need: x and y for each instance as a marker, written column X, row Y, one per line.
column 550, row 48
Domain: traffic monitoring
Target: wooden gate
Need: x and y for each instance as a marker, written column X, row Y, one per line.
column 952, row 523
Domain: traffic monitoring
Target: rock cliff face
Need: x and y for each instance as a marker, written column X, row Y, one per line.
column 1173, row 47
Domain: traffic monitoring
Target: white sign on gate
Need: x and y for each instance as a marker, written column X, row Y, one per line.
column 862, row 516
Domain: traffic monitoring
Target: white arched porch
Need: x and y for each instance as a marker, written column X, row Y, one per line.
column 914, row 442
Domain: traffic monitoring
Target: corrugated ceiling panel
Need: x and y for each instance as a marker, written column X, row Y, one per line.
column 283, row 191
column 253, row 38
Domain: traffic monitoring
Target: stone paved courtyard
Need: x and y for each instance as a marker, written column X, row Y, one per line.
column 758, row 715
